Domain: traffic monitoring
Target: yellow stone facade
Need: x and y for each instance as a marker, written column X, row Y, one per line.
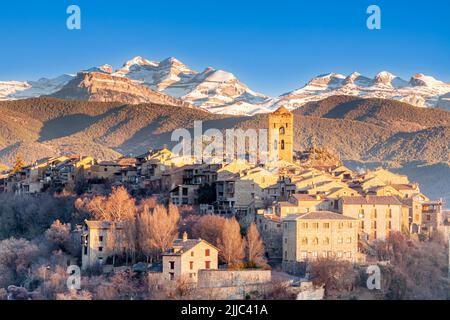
column 315, row 235
column 281, row 134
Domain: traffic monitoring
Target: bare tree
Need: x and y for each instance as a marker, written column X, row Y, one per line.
column 118, row 206
column 160, row 228
column 16, row 256
column 255, row 252
column 231, row 244
column 209, row 228
column 58, row 234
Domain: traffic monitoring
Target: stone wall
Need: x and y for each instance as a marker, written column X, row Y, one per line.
column 227, row 278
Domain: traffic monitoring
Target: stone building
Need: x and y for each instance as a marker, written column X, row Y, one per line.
column 321, row 234
column 187, row 257
column 281, row 134
column 378, row 215
column 269, row 226
column 431, row 217
column 99, row 240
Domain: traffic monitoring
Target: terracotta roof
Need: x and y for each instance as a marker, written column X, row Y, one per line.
column 318, row 215
column 403, row 187
column 182, row 246
column 386, row 200
column 308, row 197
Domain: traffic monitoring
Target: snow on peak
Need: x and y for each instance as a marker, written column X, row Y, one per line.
column 106, row 68
column 219, row 76
column 420, row 79
column 139, row 61
column 384, row 77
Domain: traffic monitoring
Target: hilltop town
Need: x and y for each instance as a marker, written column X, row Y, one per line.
column 230, row 225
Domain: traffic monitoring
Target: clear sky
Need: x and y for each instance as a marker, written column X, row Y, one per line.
column 272, row 46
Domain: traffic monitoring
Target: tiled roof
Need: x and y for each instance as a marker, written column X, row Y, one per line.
column 182, row 246
column 318, row 215
column 403, row 187
column 384, row 200
column 307, row 197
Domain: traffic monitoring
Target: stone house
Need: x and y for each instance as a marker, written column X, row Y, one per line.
column 187, row 257
column 99, row 240
column 271, row 231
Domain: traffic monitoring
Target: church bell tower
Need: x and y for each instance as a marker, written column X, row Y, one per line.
column 281, row 135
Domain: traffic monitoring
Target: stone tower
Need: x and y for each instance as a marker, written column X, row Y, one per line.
column 281, row 134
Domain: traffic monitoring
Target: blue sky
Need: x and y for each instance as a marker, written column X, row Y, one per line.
column 272, row 46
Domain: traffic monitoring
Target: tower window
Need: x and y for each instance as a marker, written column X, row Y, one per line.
column 282, row 130
column 282, row 144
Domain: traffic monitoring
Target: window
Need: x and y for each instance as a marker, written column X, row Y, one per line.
column 207, row 264
column 304, row 225
column 191, row 265
column 374, row 213
column 326, row 225
column 207, row 253
column 339, row 254
column 428, row 217
column 304, row 254
column 282, row 144
column 185, row 191
column 192, row 253
column 349, row 255
column 388, row 213
column 349, row 240
column 305, row 241
column 100, row 249
column 172, row 265
column 340, row 240
column 314, row 254
column 350, row 225
column 316, row 225
column 100, row 238
column 340, row 225
column 100, row 260
column 285, row 255
column 326, row 241
column 282, row 130
column 85, row 250
column 171, row 275
column 361, row 213
column 362, row 225
column 316, row 241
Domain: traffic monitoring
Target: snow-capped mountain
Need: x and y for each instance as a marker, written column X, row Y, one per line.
column 420, row 90
column 11, row 90
column 219, row 91
column 211, row 89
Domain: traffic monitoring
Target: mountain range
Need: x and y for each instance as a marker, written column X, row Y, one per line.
column 172, row 82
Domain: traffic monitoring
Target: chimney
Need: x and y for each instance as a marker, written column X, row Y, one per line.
column 185, row 236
